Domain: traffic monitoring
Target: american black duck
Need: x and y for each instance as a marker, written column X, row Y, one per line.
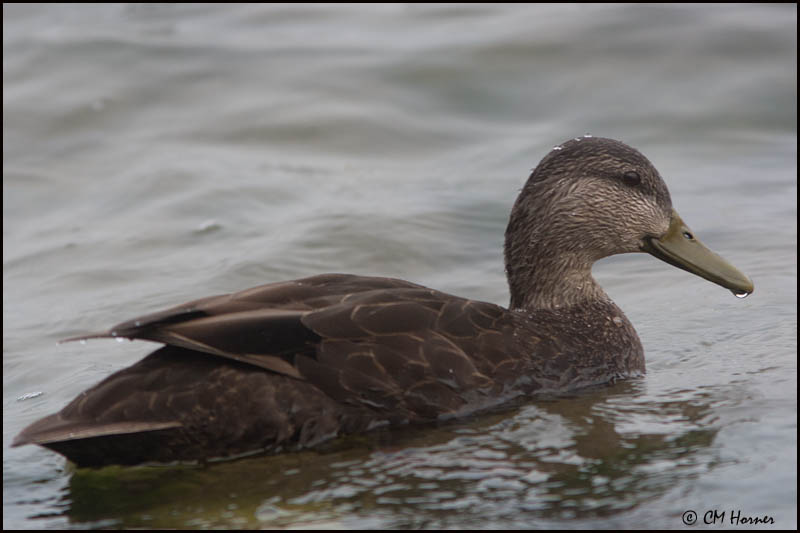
column 291, row 364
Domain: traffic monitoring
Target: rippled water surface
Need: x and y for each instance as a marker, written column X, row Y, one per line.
column 154, row 154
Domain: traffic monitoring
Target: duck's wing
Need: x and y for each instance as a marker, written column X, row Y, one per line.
column 383, row 343
column 395, row 349
column 262, row 326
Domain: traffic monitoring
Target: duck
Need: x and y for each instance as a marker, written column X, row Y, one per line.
column 293, row 364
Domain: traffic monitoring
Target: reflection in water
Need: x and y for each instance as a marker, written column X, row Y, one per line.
column 583, row 456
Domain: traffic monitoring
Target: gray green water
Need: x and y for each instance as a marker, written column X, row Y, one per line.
column 154, row 154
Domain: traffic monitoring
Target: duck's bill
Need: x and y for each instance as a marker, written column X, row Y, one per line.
column 680, row 248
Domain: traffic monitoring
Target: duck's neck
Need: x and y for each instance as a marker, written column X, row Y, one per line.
column 553, row 283
column 548, row 262
column 550, row 248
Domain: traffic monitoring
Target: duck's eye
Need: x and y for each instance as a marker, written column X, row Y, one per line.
column 631, row 178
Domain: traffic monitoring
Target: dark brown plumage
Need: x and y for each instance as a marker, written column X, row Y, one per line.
column 295, row 363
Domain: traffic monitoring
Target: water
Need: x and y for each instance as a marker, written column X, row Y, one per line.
column 154, row 154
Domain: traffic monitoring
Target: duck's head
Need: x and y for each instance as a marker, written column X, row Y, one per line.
column 587, row 199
